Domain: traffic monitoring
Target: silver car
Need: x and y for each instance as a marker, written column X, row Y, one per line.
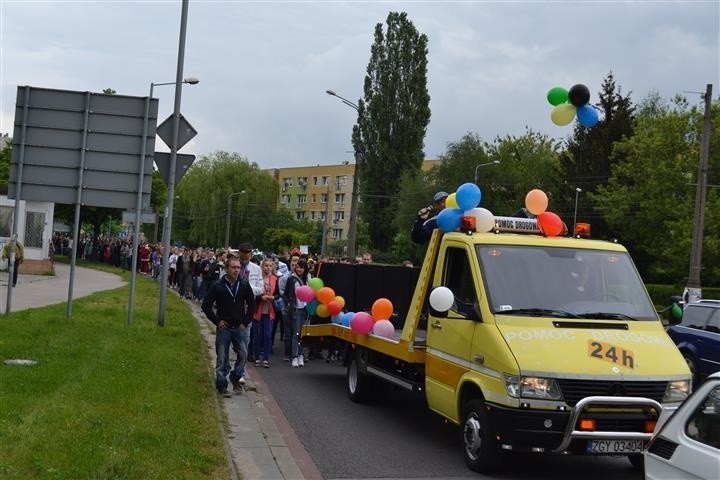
column 687, row 445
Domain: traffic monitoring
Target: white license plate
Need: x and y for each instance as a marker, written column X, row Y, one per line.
column 615, row 446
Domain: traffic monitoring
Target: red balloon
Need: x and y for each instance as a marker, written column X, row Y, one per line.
column 334, row 307
column 550, row 224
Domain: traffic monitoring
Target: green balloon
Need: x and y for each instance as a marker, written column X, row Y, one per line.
column 557, row 96
column 316, row 284
column 676, row 311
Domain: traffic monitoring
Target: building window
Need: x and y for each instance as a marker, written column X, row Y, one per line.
column 286, row 183
column 34, row 227
column 340, row 181
column 325, row 180
column 322, row 216
column 323, row 198
column 300, row 215
column 302, row 199
column 312, row 215
column 302, row 182
column 286, row 200
column 340, row 198
column 315, row 181
column 339, row 216
column 337, row 233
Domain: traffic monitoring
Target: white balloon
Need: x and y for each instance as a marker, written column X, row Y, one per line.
column 441, row 299
column 384, row 328
column 484, row 219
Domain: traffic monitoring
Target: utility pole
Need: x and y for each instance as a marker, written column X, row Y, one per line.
column 693, row 290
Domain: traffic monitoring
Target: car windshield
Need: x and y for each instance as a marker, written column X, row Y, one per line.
column 563, row 282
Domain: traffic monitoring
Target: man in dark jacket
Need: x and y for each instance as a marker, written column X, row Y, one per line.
column 229, row 305
column 425, row 223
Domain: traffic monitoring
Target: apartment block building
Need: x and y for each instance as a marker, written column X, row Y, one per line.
column 321, row 193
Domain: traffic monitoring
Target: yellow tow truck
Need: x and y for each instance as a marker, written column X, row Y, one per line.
column 551, row 345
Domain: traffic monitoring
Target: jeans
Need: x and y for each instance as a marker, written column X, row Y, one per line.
column 262, row 328
column 299, row 319
column 245, row 336
column 223, row 339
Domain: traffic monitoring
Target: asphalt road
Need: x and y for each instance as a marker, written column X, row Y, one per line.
column 397, row 436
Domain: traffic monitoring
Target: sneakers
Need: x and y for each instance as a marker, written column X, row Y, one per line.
column 257, row 363
column 300, row 361
column 266, row 364
column 224, row 393
column 236, row 383
column 241, row 380
column 294, row 363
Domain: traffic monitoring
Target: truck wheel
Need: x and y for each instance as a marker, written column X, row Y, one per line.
column 359, row 384
column 481, row 452
column 692, row 366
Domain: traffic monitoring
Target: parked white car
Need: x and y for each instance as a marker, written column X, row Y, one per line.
column 687, row 445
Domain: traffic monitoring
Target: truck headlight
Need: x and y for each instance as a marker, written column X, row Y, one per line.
column 677, row 391
column 532, row 387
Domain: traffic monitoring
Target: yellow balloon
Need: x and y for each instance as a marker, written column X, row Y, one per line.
column 340, row 300
column 451, row 201
column 563, row 114
column 322, row 311
column 536, row 201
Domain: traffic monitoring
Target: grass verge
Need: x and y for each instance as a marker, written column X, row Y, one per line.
column 107, row 399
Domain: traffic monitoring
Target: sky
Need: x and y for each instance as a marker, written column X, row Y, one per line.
column 264, row 66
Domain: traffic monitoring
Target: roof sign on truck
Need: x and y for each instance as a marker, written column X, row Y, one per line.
column 516, row 225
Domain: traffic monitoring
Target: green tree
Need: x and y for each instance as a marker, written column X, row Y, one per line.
column 588, row 159
column 200, row 216
column 5, row 155
column 650, row 197
column 392, row 120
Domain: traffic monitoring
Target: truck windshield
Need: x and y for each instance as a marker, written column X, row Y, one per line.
column 586, row 283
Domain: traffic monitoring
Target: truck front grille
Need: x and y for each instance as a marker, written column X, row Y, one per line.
column 575, row 390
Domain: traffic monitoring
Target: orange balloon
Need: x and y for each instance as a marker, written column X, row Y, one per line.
column 325, row 295
column 322, row 310
column 536, row 201
column 550, row 224
column 382, row 309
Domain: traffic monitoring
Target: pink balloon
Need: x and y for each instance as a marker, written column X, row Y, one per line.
column 362, row 323
column 384, row 328
column 305, row 293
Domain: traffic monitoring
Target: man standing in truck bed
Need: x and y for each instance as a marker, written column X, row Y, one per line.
column 424, row 223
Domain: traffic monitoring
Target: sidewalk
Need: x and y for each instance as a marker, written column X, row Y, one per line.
column 259, row 441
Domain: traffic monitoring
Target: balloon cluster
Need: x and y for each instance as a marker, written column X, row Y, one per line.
column 323, row 302
column 549, row 223
column 570, row 103
column 464, row 203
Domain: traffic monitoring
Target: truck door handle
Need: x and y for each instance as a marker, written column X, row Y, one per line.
column 437, row 325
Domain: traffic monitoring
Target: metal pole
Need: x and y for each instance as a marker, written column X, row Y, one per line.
column 18, row 192
column 693, row 285
column 78, row 203
column 352, row 226
column 323, row 248
column 167, row 226
column 577, row 192
column 138, row 205
column 227, row 223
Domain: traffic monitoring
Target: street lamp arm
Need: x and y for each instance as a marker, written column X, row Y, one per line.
column 494, row 162
column 344, row 100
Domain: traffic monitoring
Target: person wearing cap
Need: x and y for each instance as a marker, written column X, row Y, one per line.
column 424, row 223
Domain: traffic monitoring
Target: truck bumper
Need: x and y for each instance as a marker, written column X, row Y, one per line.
column 616, row 418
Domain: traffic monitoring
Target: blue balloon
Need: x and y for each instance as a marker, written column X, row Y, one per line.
column 337, row 318
column 312, row 306
column 449, row 219
column 587, row 115
column 346, row 318
column 468, row 196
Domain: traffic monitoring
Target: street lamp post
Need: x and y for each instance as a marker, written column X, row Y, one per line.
column 577, row 193
column 227, row 222
column 494, row 162
column 352, row 225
